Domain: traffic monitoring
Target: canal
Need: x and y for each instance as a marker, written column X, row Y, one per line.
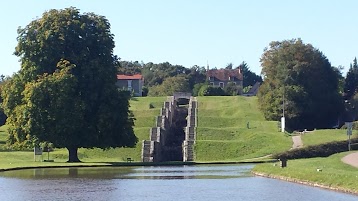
column 162, row 183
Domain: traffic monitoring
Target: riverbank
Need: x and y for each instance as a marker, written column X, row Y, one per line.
column 339, row 189
column 328, row 173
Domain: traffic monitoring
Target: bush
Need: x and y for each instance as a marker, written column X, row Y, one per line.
column 322, row 150
column 232, row 89
column 207, row 90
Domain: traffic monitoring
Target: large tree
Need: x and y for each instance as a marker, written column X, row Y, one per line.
column 65, row 91
column 302, row 76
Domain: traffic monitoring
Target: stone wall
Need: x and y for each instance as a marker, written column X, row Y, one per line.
column 151, row 149
column 190, row 131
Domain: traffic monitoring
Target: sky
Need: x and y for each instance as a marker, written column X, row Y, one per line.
column 201, row 32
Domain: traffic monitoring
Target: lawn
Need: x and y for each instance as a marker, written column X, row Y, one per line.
column 333, row 172
column 326, row 135
column 232, row 128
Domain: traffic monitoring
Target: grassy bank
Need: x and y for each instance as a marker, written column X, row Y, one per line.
column 233, row 129
column 332, row 172
column 326, row 135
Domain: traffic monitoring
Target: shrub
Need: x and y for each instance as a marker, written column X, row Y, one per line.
column 207, row 90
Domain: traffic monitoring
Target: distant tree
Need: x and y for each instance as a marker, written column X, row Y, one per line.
column 229, row 66
column 169, row 86
column 196, row 75
column 351, row 81
column 65, row 91
column 128, row 67
column 232, row 89
column 2, row 114
column 208, row 90
column 197, row 87
column 155, row 74
column 304, row 77
column 249, row 77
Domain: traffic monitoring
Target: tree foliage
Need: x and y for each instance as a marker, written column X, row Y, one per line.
column 208, row 90
column 65, row 91
column 169, row 86
column 249, row 77
column 351, row 81
column 2, row 114
column 304, row 77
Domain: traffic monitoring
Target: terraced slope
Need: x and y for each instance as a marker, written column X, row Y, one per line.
column 223, row 135
column 145, row 110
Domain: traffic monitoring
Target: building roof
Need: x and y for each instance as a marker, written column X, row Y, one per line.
column 225, row 74
column 130, row 77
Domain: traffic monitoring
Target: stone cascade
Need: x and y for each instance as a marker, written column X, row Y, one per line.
column 152, row 148
column 190, row 131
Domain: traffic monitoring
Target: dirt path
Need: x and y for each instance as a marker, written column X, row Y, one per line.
column 351, row 159
column 297, row 142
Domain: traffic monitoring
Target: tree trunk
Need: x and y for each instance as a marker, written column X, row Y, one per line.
column 72, row 155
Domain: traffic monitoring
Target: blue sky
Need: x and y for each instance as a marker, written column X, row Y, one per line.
column 194, row 32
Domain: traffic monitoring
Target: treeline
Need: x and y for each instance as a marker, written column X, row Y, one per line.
column 164, row 79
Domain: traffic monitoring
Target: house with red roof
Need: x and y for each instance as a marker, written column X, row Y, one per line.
column 133, row 83
column 221, row 77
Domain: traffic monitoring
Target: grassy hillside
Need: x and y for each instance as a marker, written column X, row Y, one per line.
column 222, row 133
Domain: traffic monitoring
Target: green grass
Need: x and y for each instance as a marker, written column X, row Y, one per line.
column 334, row 172
column 325, row 135
column 222, row 133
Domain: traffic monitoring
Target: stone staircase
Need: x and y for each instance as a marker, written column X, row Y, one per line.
column 154, row 148
column 190, row 131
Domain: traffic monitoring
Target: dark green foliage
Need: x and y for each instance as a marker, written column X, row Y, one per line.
column 250, row 78
column 208, row 90
column 197, row 88
column 305, row 78
column 169, row 86
column 145, row 91
column 155, row 74
column 232, row 89
column 322, row 150
column 2, row 114
column 128, row 68
column 351, row 81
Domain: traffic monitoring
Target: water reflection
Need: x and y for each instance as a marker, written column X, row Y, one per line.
column 217, row 182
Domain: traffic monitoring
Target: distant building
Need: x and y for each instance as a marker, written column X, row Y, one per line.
column 131, row 83
column 221, row 77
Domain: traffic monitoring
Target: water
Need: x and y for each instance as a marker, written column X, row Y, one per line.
column 215, row 182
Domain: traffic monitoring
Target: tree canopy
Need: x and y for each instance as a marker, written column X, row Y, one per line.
column 65, row 91
column 302, row 76
column 351, row 81
column 249, row 77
